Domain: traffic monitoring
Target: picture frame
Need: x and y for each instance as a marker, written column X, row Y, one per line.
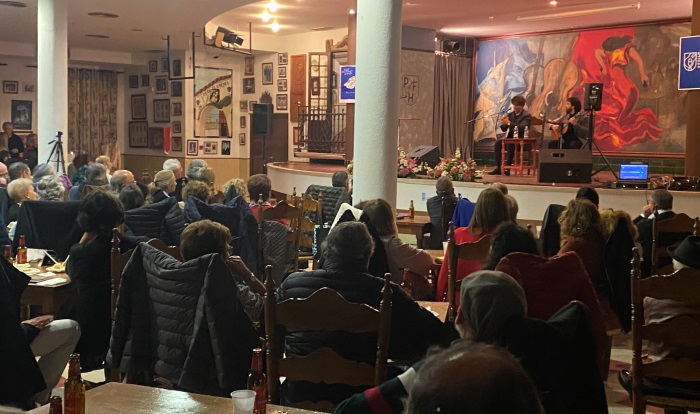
column 243, row 105
column 153, row 66
column 249, row 67
column 241, row 138
column 177, row 67
column 267, row 73
column 139, row 109
column 192, row 147
column 226, row 147
column 164, row 65
column 156, row 137
column 315, row 86
column 10, row 87
column 29, row 87
column 282, row 72
column 281, row 102
column 176, row 89
column 243, row 122
column 295, row 135
column 133, row 81
column 161, row 110
column 138, row 134
column 177, row 127
column 281, row 85
column 250, row 105
column 161, row 85
column 213, row 116
column 177, row 109
column 211, row 148
column 248, row 86
column 145, row 80
column 21, row 115
column 176, row 144
column 282, row 58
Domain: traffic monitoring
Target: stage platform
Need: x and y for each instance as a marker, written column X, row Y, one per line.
column 533, row 197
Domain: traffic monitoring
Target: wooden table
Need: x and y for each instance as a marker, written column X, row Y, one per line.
column 438, row 255
column 50, row 298
column 439, row 307
column 414, row 226
column 134, row 399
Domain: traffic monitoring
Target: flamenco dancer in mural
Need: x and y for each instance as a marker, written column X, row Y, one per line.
column 603, row 56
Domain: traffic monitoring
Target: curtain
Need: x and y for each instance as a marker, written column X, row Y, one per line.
column 92, row 113
column 451, row 104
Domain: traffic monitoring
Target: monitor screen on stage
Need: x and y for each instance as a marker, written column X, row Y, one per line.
column 635, row 172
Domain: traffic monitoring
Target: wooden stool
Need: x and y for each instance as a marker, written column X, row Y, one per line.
column 518, row 158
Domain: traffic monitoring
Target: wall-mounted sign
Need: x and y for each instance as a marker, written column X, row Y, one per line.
column 689, row 65
column 347, row 84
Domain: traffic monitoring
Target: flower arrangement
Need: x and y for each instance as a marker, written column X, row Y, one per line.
column 455, row 168
column 406, row 167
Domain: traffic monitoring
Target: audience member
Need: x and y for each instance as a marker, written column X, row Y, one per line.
column 173, row 164
column 4, row 175
column 342, row 180
column 491, row 210
column 582, row 232
column 512, row 207
column 590, row 194
column 508, row 238
column 205, row 175
column 19, row 190
column 661, row 207
column 107, row 162
column 50, row 188
column 500, row 187
column 120, row 179
column 14, row 142
column 259, row 185
column 76, row 169
column 196, row 189
column 610, row 218
column 401, row 256
column 7, row 128
column 194, row 166
column 233, row 188
column 348, row 249
column 162, row 185
column 131, row 197
column 4, row 156
column 443, row 188
column 40, row 171
column 95, row 176
column 204, row 237
column 19, row 170
column 30, row 155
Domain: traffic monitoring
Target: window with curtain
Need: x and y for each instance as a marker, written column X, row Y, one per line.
column 451, row 104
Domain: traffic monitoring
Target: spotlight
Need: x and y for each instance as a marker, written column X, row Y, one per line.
column 226, row 36
column 451, row 46
column 265, row 16
column 272, row 6
column 275, row 27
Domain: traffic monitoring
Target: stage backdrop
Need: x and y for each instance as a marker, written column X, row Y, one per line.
column 643, row 111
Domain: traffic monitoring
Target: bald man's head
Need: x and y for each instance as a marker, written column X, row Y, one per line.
column 120, row 179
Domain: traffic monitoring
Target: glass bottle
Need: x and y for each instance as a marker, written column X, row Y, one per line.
column 406, row 284
column 7, row 252
column 257, row 381
column 411, row 210
column 22, row 251
column 56, row 405
column 74, row 388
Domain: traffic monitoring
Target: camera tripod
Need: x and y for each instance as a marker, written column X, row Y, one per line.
column 590, row 142
column 58, row 150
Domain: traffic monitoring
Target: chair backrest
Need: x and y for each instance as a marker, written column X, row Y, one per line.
column 617, row 261
column 324, row 310
column 550, row 233
column 669, row 233
column 478, row 250
column 312, row 215
column 535, row 132
column 282, row 211
column 448, row 205
column 679, row 331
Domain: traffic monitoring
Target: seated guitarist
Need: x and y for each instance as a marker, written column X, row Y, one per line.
column 573, row 128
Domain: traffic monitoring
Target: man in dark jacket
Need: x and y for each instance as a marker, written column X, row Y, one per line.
column 443, row 187
column 661, row 207
column 163, row 220
column 346, row 256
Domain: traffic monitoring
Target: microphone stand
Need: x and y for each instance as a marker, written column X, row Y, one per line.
column 473, row 122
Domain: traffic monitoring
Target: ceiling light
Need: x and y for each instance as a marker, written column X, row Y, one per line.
column 97, row 36
column 103, row 14
column 265, row 16
column 576, row 13
column 272, row 6
column 553, row 3
column 275, row 27
column 137, row 30
column 12, row 3
column 351, row 11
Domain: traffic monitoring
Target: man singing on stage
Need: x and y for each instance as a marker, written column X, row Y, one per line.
column 573, row 128
column 517, row 118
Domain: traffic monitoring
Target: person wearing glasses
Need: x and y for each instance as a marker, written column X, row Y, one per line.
column 3, row 175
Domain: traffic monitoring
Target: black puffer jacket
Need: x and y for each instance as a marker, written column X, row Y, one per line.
column 413, row 329
column 333, row 197
column 182, row 321
column 163, row 220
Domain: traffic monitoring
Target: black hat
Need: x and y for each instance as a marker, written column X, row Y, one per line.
column 688, row 252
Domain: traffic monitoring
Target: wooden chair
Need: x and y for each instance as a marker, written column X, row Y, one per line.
column 281, row 211
column 681, row 331
column 669, row 233
column 324, row 310
column 448, row 209
column 478, row 250
column 309, row 208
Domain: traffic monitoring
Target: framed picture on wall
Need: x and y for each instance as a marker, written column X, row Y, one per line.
column 192, row 147
column 21, row 114
column 225, row 147
column 281, row 102
column 138, row 107
column 211, row 148
column 177, row 109
column 248, row 85
column 155, row 137
column 249, row 69
column 177, row 144
column 153, row 66
column 161, row 110
column 10, row 87
column 282, row 58
column 282, row 72
column 281, row 85
column 161, row 84
column 243, row 122
column 295, row 135
column 243, row 105
column 177, row 67
column 241, row 138
column 133, row 81
column 138, row 134
column 267, row 73
column 177, row 127
column 176, row 89
column 165, row 65
column 145, row 80
column 250, row 105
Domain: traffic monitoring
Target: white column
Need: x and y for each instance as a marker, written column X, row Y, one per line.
column 377, row 99
column 52, row 75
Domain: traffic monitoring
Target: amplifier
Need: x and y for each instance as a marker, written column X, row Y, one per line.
column 564, row 166
column 632, row 185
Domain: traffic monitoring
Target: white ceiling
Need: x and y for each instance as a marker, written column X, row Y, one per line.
column 179, row 18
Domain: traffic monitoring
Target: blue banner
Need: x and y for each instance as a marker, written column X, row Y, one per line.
column 347, row 84
column 689, row 66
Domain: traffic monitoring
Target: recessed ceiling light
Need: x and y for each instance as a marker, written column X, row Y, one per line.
column 553, row 3
column 272, row 6
column 97, row 36
column 275, row 27
column 137, row 30
column 12, row 3
column 103, row 14
column 265, row 16
column 351, row 11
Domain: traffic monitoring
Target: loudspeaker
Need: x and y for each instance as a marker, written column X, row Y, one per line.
column 429, row 154
column 593, row 96
column 459, row 46
column 564, row 166
column 262, row 119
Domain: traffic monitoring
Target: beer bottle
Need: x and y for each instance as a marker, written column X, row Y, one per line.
column 22, row 251
column 406, row 284
column 8, row 253
column 257, row 381
column 411, row 210
column 74, row 389
column 56, row 405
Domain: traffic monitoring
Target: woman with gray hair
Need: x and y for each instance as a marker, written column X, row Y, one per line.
column 41, row 171
column 50, row 188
